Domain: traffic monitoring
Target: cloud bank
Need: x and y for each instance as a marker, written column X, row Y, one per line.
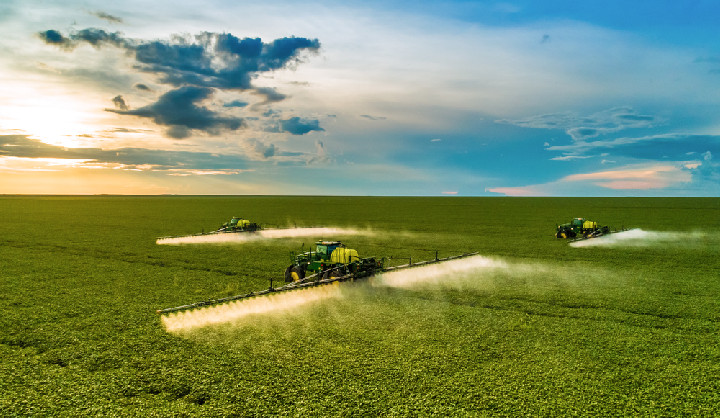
column 195, row 68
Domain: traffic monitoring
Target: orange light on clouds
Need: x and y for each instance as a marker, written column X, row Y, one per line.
column 18, row 164
column 516, row 191
column 87, row 177
column 634, row 184
column 655, row 177
column 626, row 179
column 651, row 172
column 77, row 181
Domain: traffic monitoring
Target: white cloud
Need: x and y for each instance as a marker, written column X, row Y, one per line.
column 410, row 72
column 640, row 178
column 582, row 128
column 570, row 157
column 635, row 179
column 521, row 191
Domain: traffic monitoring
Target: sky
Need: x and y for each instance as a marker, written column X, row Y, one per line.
column 392, row 97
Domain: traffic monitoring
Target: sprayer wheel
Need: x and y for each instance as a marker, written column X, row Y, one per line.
column 296, row 274
column 288, row 274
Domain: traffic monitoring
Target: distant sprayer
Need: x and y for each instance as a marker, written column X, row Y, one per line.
column 581, row 228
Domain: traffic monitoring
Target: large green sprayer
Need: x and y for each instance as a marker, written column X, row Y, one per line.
column 331, row 259
column 580, row 228
column 238, row 224
column 330, row 263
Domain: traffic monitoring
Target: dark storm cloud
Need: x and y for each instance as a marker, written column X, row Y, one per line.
column 105, row 16
column 281, row 51
column 207, row 60
column 56, row 38
column 98, row 37
column 248, row 47
column 93, row 36
column 373, row 117
column 177, row 109
column 141, row 86
column 119, row 103
column 218, row 60
column 261, row 150
column 180, row 64
column 271, row 95
column 195, row 66
column 125, row 130
column 24, row 147
column 298, row 126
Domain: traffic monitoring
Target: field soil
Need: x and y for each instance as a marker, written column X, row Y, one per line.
column 534, row 326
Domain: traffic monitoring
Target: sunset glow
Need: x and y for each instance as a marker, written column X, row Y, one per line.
column 471, row 99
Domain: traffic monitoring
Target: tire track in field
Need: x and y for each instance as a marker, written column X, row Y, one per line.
column 99, row 254
column 590, row 312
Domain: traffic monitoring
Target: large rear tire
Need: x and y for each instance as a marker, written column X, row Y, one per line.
column 288, row 274
column 296, row 274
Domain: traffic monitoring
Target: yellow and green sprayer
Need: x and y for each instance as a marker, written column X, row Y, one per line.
column 581, row 228
column 330, row 262
column 237, row 224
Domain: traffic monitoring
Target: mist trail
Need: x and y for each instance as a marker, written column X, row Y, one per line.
column 472, row 272
column 278, row 302
column 243, row 237
column 435, row 273
column 233, row 311
column 469, row 272
column 641, row 238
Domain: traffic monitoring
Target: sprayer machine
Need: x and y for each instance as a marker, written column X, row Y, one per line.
column 330, row 262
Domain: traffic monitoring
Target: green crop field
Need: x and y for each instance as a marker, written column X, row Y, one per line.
column 549, row 329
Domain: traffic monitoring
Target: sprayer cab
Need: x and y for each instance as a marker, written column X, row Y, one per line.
column 330, row 259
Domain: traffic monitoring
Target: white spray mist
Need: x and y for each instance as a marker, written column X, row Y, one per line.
column 243, row 237
column 640, row 238
column 436, row 272
column 233, row 311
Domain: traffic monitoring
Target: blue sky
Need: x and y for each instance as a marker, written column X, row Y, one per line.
column 467, row 98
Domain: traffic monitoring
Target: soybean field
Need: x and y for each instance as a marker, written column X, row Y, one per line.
column 627, row 324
